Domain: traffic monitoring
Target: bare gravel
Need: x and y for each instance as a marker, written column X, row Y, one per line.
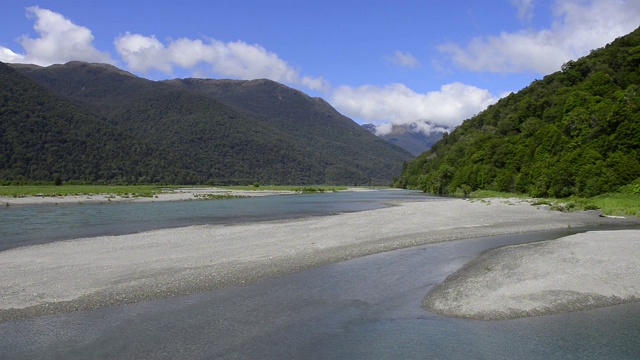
column 578, row 272
column 94, row 272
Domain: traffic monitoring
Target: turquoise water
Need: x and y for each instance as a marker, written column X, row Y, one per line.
column 27, row 225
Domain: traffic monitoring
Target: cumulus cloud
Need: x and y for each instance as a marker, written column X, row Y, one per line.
column 579, row 27
column 233, row 59
column 142, row 53
column 435, row 111
column 59, row 41
column 404, row 59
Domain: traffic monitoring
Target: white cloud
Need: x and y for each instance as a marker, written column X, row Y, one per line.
column 142, row 53
column 525, row 9
column 404, row 59
column 579, row 27
column 8, row 56
column 397, row 104
column 421, row 126
column 233, row 59
column 59, row 41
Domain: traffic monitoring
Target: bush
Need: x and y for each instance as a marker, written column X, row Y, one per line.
column 466, row 189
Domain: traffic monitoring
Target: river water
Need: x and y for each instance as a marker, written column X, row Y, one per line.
column 28, row 225
column 365, row 308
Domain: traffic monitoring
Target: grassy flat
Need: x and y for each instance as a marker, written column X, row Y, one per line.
column 619, row 204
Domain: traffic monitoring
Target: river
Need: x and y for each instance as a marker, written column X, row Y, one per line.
column 28, row 225
column 365, row 308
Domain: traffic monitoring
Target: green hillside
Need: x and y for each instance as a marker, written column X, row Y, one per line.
column 575, row 132
column 312, row 122
column 43, row 137
column 217, row 143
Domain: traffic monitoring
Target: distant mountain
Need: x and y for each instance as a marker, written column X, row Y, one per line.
column 220, row 139
column 575, row 132
column 407, row 137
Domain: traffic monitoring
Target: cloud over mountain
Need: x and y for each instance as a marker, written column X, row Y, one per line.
column 232, row 59
column 59, row 41
column 577, row 27
column 396, row 103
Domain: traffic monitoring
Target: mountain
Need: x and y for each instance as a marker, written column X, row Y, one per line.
column 575, row 132
column 217, row 141
column 312, row 122
column 407, row 137
column 43, row 137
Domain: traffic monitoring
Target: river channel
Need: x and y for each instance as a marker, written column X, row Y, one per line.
column 365, row 308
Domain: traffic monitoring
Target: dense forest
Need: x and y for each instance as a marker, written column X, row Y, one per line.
column 96, row 123
column 312, row 122
column 44, row 138
column 575, row 132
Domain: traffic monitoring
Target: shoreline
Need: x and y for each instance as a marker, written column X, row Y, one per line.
column 179, row 194
column 89, row 273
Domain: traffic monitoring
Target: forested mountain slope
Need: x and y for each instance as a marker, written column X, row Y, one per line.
column 576, row 131
column 211, row 141
column 311, row 121
column 43, row 137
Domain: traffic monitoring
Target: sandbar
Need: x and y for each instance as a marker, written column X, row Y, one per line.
column 578, row 272
column 178, row 194
column 89, row 273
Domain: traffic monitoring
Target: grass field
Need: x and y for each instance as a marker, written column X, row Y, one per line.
column 65, row 190
column 618, row 204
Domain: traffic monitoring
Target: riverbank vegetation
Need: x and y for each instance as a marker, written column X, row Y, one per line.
column 625, row 203
column 70, row 190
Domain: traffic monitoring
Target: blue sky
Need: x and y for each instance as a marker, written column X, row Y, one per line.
column 428, row 63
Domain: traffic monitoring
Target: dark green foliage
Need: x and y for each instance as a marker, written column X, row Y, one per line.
column 575, row 132
column 348, row 153
column 45, row 138
column 97, row 123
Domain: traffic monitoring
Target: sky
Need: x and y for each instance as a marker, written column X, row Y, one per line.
column 431, row 64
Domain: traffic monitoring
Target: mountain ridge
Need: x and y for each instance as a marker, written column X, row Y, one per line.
column 225, row 143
